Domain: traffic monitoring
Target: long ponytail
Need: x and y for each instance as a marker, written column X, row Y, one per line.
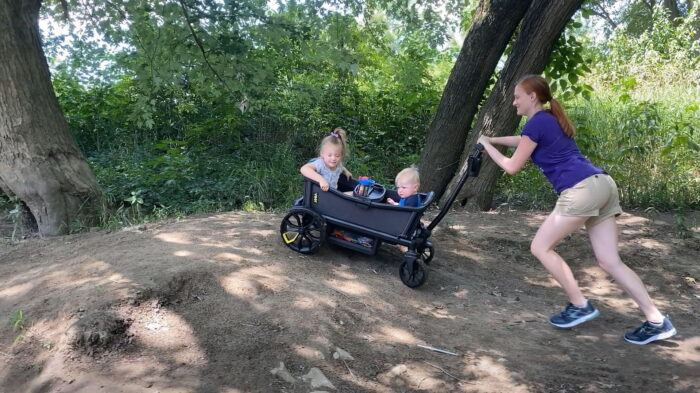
column 541, row 88
column 558, row 112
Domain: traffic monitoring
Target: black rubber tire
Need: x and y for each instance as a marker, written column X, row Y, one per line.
column 303, row 230
column 416, row 278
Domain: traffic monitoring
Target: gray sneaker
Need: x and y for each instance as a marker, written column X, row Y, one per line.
column 648, row 332
column 572, row 315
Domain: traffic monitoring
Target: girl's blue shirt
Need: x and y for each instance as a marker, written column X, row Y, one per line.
column 557, row 155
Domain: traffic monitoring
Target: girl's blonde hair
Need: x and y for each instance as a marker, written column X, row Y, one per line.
column 540, row 86
column 411, row 174
column 338, row 137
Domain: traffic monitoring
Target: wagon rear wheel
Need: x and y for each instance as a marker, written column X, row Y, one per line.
column 415, row 276
column 302, row 230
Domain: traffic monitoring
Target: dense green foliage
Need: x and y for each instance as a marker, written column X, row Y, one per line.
column 188, row 106
column 166, row 125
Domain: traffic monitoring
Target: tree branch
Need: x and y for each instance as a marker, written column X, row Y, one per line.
column 64, row 7
column 201, row 46
column 119, row 10
column 603, row 14
column 650, row 4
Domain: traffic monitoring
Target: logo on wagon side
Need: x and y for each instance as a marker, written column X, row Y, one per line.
column 315, row 197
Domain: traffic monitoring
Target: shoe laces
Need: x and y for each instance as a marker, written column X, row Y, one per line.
column 646, row 328
column 571, row 309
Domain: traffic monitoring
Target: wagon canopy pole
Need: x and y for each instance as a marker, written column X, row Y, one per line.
column 474, row 165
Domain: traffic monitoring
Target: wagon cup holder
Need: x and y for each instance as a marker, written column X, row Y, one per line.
column 369, row 190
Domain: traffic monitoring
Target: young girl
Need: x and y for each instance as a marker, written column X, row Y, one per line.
column 328, row 168
column 587, row 196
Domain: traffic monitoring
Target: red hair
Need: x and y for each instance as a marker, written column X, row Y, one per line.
column 539, row 85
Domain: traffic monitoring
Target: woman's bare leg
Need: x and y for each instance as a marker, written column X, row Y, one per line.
column 552, row 231
column 604, row 241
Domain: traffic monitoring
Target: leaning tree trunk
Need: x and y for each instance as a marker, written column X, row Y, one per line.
column 40, row 162
column 540, row 30
column 673, row 12
column 492, row 27
column 4, row 188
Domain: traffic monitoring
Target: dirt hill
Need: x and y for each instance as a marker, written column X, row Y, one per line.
column 216, row 303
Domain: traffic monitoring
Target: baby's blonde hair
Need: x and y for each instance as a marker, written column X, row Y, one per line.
column 411, row 174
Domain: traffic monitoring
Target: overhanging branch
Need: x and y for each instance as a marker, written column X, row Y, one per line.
column 201, row 46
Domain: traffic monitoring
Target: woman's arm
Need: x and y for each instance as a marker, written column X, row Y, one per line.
column 514, row 164
column 309, row 170
column 510, row 141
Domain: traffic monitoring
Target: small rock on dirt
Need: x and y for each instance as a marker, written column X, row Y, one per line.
column 341, row 354
column 135, row 228
column 397, row 370
column 282, row 373
column 317, row 380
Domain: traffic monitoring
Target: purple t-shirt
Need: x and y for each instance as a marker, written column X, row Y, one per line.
column 557, row 155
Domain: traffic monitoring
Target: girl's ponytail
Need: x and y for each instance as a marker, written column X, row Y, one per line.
column 342, row 136
column 558, row 112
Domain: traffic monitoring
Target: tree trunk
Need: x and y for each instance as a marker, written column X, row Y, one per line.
column 540, row 30
column 673, row 12
column 4, row 188
column 492, row 27
column 39, row 160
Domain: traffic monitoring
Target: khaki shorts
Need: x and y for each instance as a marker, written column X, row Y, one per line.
column 594, row 197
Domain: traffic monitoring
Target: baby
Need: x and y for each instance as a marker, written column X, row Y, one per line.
column 407, row 185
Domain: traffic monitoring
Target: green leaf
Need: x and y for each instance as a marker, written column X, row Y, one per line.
column 624, row 98
column 573, row 78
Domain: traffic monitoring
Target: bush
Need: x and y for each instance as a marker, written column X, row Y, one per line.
column 170, row 177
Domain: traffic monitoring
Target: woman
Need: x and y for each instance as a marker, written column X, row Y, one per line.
column 587, row 196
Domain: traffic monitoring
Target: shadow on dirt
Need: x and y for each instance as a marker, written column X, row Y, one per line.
column 213, row 304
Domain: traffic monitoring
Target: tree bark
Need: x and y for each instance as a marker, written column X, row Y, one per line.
column 492, row 27
column 540, row 30
column 673, row 12
column 5, row 189
column 39, row 160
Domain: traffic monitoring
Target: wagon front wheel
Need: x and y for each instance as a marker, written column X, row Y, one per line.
column 413, row 274
column 426, row 254
column 302, row 230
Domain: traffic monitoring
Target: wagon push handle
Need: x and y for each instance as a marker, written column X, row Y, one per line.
column 473, row 168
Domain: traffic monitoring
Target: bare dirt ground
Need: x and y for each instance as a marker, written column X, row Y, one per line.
column 214, row 303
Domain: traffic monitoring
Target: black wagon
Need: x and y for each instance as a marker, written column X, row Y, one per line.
column 363, row 223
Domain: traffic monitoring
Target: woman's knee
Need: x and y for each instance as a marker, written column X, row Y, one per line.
column 609, row 263
column 537, row 249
